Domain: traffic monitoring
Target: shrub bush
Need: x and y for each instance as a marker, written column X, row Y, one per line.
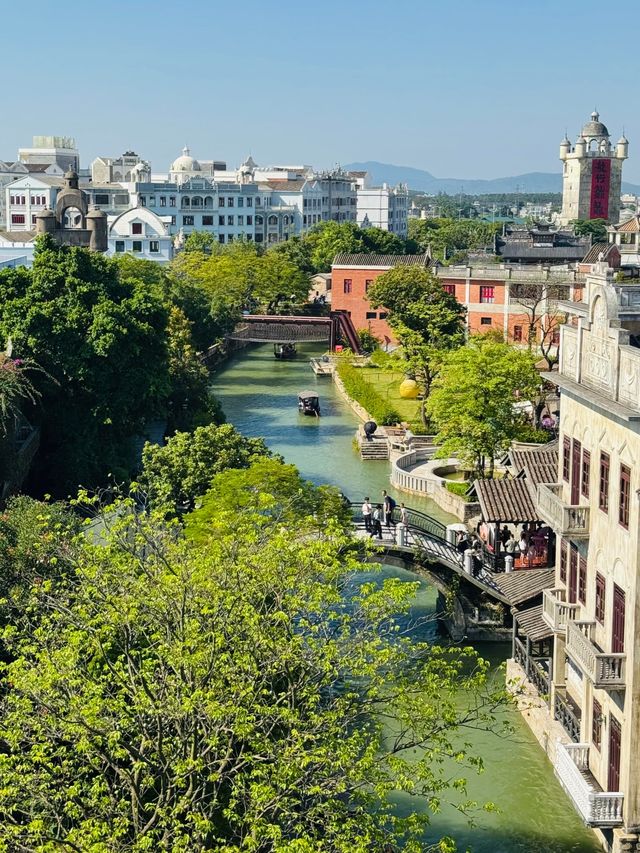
column 459, row 489
column 365, row 394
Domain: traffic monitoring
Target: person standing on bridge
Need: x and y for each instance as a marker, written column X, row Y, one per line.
column 404, row 515
column 367, row 509
column 388, row 507
column 376, row 527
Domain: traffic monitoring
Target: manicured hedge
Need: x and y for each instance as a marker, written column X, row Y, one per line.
column 365, row 394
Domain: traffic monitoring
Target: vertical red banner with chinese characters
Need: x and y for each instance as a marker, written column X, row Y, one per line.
column 600, row 181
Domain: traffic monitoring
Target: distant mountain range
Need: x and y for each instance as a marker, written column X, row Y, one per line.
column 419, row 179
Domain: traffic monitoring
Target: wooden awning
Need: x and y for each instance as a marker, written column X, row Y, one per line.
column 525, row 584
column 506, row 501
column 532, row 625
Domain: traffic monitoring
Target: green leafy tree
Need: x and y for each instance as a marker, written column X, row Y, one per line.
column 201, row 241
column 297, row 250
column 174, row 475
column 329, row 239
column 452, row 239
column 230, row 693
column 427, row 320
column 99, row 336
column 472, row 401
column 596, row 228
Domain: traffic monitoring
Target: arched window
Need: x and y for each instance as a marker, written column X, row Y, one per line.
column 208, row 201
column 286, row 220
column 186, row 202
column 196, row 201
column 273, row 220
column 72, row 218
column 259, row 220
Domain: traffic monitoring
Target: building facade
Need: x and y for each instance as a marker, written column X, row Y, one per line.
column 592, row 174
column 507, row 298
column 140, row 232
column 384, row 207
column 592, row 696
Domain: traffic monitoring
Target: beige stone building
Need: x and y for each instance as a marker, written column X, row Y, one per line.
column 592, row 174
column 583, row 645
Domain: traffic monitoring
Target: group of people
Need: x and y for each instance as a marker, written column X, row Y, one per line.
column 375, row 516
column 533, row 540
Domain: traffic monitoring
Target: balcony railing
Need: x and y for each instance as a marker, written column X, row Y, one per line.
column 566, row 519
column 536, row 673
column 568, row 716
column 606, row 671
column 557, row 612
column 598, row 808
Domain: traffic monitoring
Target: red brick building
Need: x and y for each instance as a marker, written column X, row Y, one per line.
column 496, row 296
column 351, row 277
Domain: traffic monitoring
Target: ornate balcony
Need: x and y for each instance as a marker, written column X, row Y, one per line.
column 556, row 611
column 597, row 807
column 568, row 520
column 606, row 671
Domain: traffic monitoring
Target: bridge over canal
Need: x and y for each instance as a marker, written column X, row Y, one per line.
column 480, row 595
column 281, row 329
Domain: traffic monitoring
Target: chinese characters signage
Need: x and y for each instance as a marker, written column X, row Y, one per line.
column 600, row 180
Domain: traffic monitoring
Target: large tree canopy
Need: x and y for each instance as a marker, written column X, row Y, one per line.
column 229, row 693
column 473, row 401
column 427, row 320
column 99, row 335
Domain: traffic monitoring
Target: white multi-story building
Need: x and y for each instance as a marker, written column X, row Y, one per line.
column 26, row 197
column 9, row 172
column 384, row 207
column 51, row 150
column 141, row 232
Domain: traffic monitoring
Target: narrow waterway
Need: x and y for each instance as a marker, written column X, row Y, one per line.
column 259, row 396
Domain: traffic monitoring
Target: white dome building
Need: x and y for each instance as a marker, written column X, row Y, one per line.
column 184, row 167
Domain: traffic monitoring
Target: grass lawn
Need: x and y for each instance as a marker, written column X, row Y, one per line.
column 387, row 384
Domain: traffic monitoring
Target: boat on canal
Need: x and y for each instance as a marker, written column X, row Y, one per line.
column 284, row 350
column 309, row 403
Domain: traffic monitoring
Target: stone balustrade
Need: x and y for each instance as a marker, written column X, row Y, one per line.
column 598, row 808
column 606, row 671
column 568, row 520
column 556, row 611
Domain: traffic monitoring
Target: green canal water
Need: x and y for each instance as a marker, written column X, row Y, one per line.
column 259, row 396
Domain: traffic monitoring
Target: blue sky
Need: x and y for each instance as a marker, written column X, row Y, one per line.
column 462, row 88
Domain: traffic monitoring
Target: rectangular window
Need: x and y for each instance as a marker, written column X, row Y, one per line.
column 230, row 238
column 33, row 218
column 249, row 220
column 119, row 245
column 207, row 220
column 625, row 496
column 566, row 458
column 187, row 220
column 163, row 201
column 487, row 293
column 563, row 561
column 617, row 627
column 485, row 321
column 172, row 201
column 154, row 246
column 136, row 227
column 230, row 220
column 102, row 198
column 383, row 314
column 173, row 220
column 137, row 245
column 517, row 333
column 596, row 724
column 258, row 201
column 143, row 200
column 371, row 315
column 600, row 597
column 221, row 220
column 152, row 201
column 582, row 580
column 586, row 473
column 249, row 202
column 221, row 201
column 347, row 286
column 241, row 220
column 240, row 202
column 220, row 238
column 17, row 219
column 603, row 496
column 368, row 284
column 230, row 202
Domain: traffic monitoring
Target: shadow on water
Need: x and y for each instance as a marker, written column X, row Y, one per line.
column 259, row 396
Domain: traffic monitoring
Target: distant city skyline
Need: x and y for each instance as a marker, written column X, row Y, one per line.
column 467, row 91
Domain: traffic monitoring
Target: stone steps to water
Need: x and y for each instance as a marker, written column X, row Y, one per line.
column 374, row 449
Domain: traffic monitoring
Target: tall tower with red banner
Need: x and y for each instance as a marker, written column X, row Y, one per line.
column 592, row 174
